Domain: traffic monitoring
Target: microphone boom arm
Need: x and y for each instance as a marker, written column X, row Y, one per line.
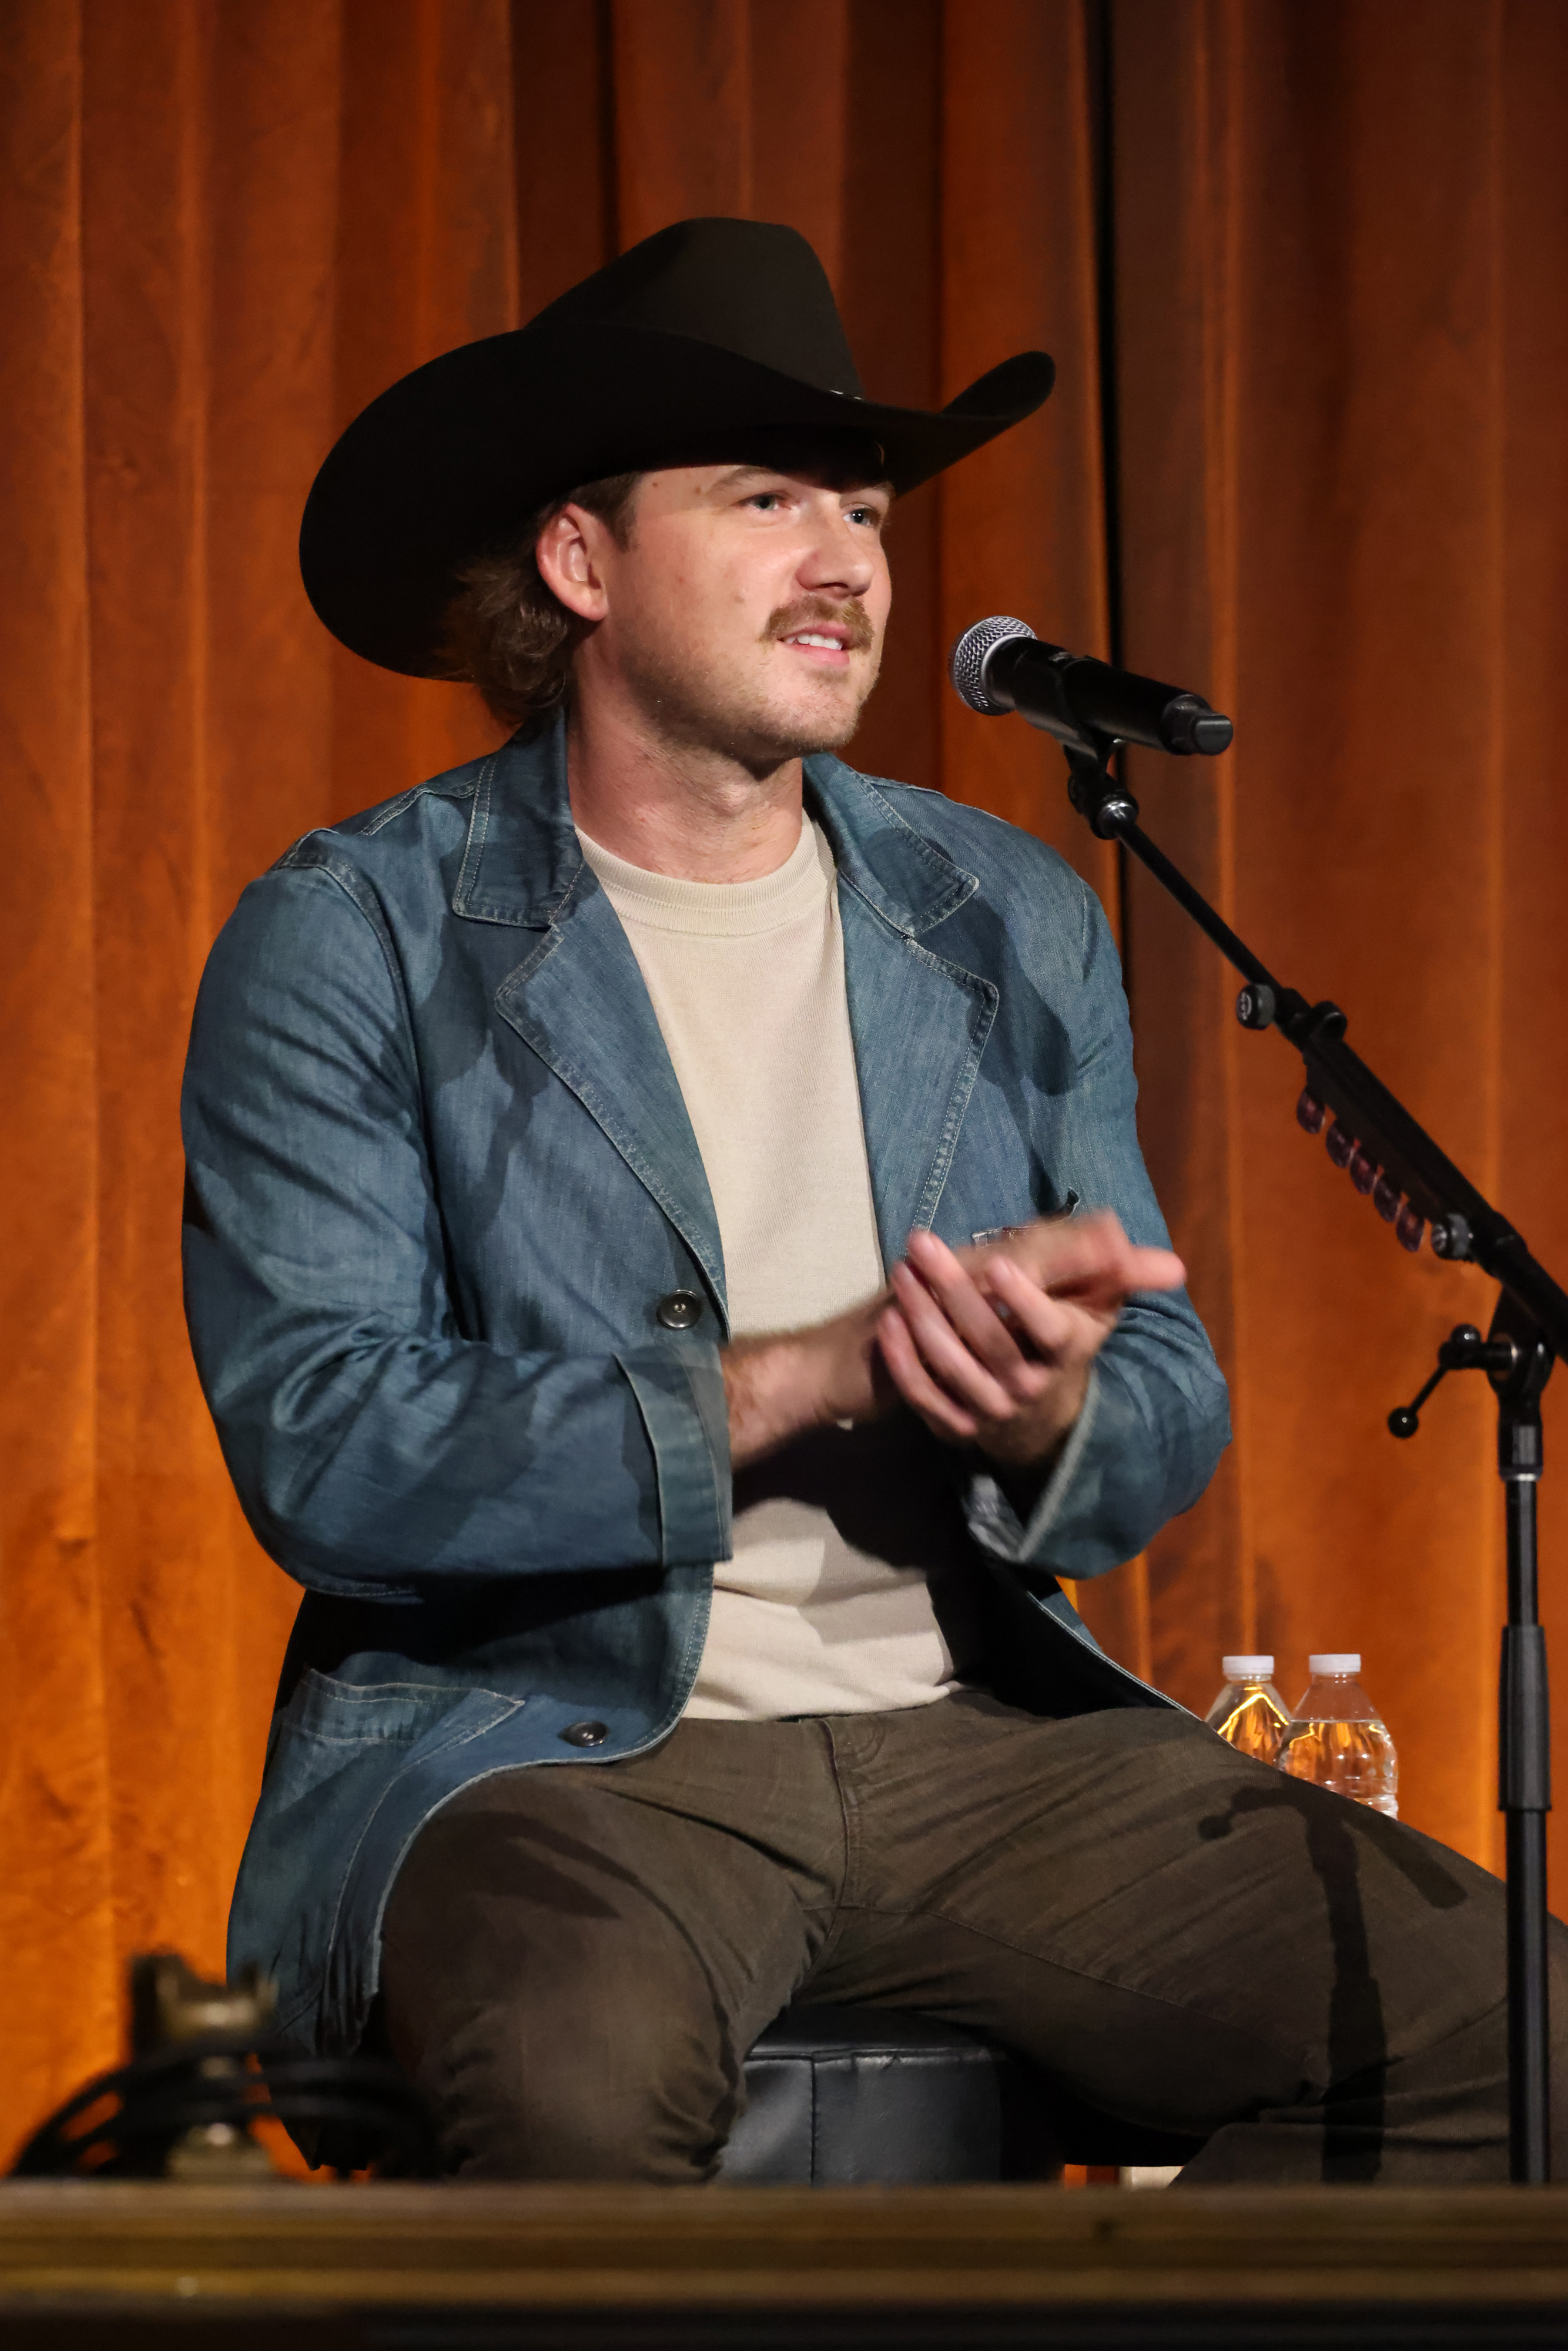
column 1464, row 1224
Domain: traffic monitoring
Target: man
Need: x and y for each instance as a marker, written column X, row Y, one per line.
column 671, row 1266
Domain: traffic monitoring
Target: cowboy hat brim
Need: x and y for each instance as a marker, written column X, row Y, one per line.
column 453, row 460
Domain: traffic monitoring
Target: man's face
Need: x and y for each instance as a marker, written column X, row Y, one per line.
column 746, row 615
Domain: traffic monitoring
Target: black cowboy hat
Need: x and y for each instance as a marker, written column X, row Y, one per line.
column 702, row 334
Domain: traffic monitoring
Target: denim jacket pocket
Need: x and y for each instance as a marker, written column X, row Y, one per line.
column 329, row 1724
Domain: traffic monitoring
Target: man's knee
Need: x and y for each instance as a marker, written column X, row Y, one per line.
column 596, row 2089
column 554, row 2037
column 572, row 1977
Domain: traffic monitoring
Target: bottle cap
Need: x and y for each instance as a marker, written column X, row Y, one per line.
column 1247, row 1669
column 1336, row 1661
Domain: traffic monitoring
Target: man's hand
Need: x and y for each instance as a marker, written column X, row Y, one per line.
column 992, row 1346
column 789, row 1381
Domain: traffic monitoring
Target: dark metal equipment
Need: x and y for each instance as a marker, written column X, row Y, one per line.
column 999, row 665
column 205, row 2068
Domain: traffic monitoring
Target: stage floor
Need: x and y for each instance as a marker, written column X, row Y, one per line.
column 125, row 2268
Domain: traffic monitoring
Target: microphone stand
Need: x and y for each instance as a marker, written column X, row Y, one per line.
column 1412, row 1186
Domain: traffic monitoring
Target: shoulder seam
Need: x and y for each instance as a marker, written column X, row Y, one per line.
column 394, row 809
column 378, row 931
column 431, row 786
column 896, row 784
column 964, row 807
column 381, row 818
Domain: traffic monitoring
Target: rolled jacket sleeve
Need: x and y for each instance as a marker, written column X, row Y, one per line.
column 374, row 1445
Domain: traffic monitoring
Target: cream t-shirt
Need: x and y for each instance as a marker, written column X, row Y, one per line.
column 826, row 1606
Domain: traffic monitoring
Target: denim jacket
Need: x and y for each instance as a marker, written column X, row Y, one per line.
column 440, row 1175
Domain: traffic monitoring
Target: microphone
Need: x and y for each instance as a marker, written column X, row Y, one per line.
column 999, row 665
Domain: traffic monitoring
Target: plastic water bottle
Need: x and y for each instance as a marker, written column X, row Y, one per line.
column 1249, row 1712
column 1338, row 1739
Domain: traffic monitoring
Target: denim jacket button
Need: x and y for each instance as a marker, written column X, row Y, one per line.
column 678, row 1310
column 586, row 1734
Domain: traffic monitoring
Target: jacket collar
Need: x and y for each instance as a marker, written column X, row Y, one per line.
column 523, row 860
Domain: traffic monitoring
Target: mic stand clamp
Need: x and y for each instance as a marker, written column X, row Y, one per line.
column 1106, row 805
column 1464, row 1349
column 1417, row 1190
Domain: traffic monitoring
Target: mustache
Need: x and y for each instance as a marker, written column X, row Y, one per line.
column 810, row 611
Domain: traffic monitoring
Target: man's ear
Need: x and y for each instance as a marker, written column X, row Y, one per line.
column 569, row 552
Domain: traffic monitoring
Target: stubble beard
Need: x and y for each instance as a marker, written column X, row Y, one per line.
column 697, row 708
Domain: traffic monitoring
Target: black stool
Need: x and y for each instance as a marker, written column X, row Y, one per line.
column 840, row 2097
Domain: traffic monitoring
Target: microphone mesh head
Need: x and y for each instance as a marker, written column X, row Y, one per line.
column 967, row 662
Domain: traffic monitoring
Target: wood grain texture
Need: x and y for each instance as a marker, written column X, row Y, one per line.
column 783, row 2248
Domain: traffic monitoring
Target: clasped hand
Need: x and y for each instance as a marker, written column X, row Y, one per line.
column 990, row 1344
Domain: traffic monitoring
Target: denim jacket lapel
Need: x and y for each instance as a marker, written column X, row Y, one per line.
column 919, row 1019
column 919, row 1024
column 578, row 996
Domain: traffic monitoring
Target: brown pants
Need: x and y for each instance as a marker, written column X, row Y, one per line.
column 579, row 1958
